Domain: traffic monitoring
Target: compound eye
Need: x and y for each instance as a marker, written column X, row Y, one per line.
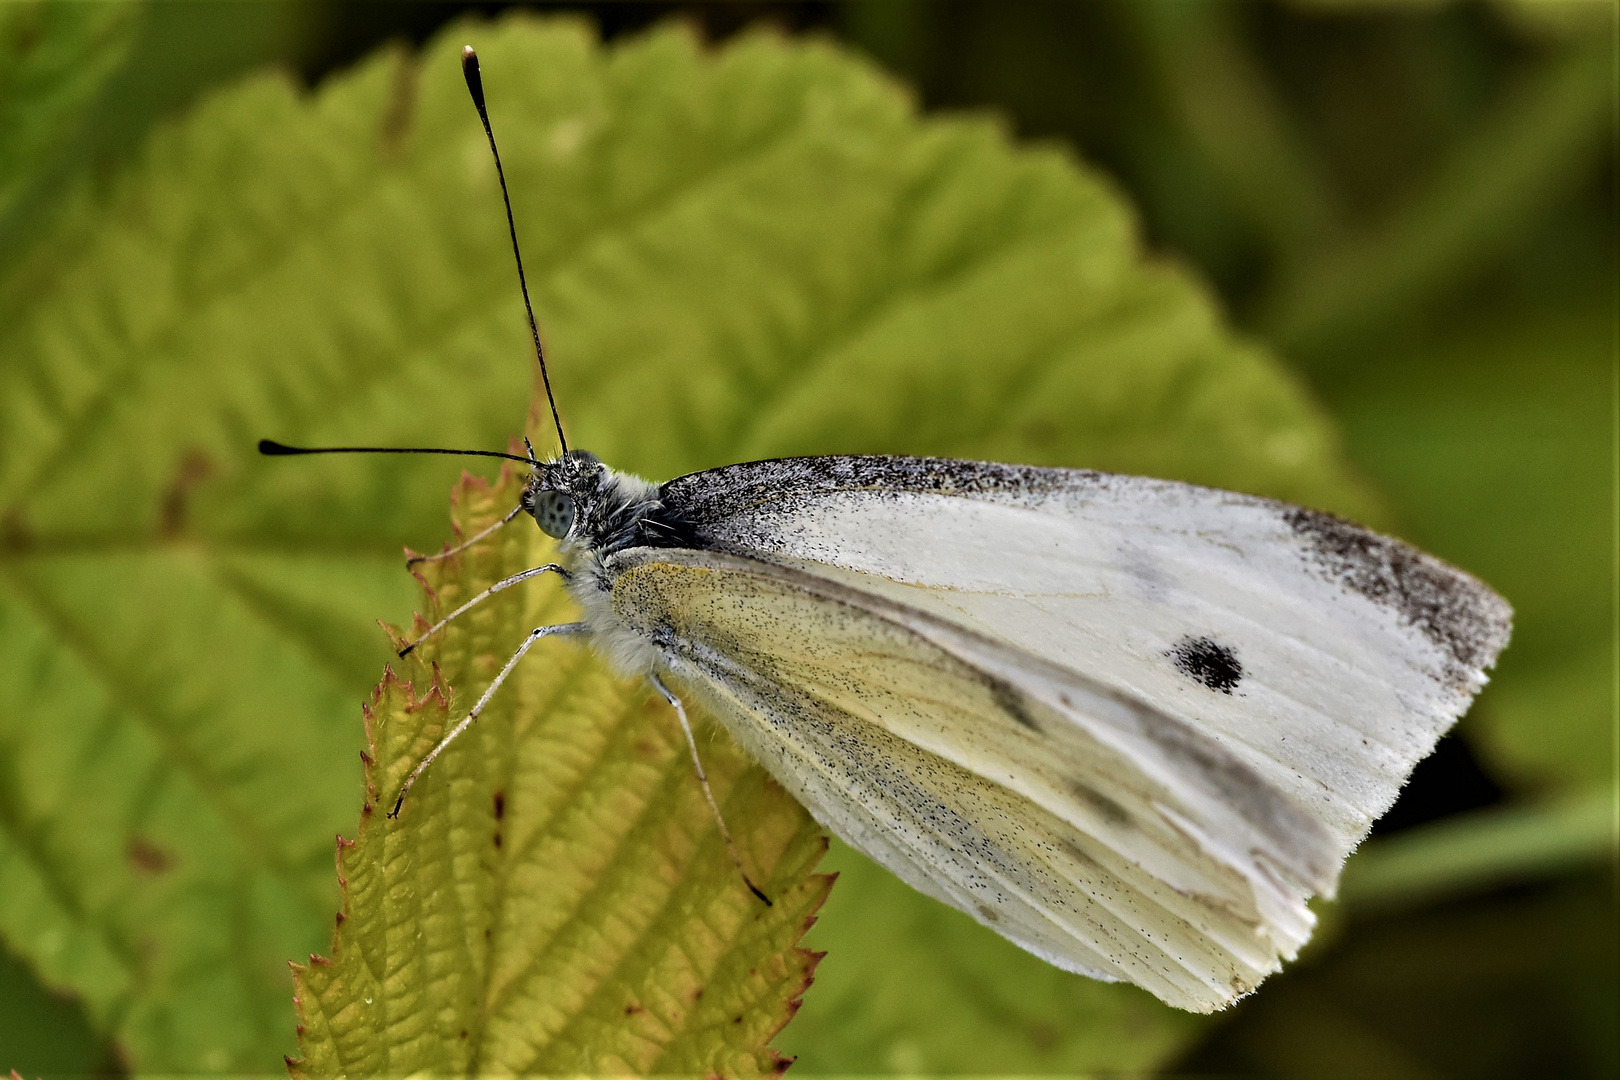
column 554, row 511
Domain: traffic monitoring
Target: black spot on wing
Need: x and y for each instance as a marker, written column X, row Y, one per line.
column 1205, row 660
column 1461, row 616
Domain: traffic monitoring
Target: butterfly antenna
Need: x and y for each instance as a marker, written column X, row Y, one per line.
column 271, row 448
column 475, row 87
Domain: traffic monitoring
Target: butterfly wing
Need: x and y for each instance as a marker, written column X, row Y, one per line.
column 1095, row 831
column 1326, row 658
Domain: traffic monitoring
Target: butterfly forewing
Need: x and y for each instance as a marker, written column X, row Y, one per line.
column 1328, row 658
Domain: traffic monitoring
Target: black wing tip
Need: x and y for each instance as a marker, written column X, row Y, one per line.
column 1461, row 615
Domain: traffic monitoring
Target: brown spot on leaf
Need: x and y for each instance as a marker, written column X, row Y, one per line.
column 15, row 534
column 148, row 857
column 497, row 839
column 193, row 468
column 500, row 805
column 631, row 1009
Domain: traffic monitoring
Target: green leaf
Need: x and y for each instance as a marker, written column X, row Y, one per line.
column 760, row 250
column 54, row 60
column 1490, row 189
column 45, row 1034
column 1514, row 480
column 81, row 85
column 555, row 896
column 1482, row 849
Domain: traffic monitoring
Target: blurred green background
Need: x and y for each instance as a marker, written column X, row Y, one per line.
column 1414, row 204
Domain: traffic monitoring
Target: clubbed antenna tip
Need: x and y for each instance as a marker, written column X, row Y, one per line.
column 475, row 82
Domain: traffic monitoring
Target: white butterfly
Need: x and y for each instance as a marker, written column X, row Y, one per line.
column 1130, row 725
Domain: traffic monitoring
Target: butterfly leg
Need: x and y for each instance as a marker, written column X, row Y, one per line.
column 703, row 779
column 459, row 548
column 561, row 630
column 549, row 568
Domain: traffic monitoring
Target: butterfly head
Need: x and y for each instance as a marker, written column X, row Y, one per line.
column 563, row 492
column 583, row 503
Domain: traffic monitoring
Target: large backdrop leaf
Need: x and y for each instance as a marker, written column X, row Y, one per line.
column 555, row 897
column 759, row 250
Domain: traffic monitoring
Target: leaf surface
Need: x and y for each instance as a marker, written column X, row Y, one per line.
column 54, row 59
column 555, row 896
column 759, row 250
column 1527, row 445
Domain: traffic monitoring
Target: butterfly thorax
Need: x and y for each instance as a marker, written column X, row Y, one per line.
column 595, row 511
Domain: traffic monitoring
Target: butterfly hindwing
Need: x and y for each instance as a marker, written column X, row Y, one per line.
column 1094, row 831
